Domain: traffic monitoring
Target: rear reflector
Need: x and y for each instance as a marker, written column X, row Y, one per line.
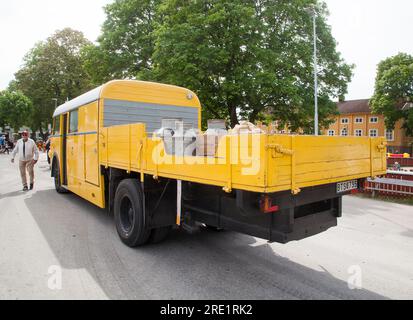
column 266, row 205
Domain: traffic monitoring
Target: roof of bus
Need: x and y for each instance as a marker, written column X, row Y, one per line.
column 110, row 90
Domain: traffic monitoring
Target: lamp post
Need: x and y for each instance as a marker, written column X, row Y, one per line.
column 55, row 103
column 313, row 13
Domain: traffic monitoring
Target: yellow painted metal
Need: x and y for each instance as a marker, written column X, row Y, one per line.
column 310, row 161
column 253, row 162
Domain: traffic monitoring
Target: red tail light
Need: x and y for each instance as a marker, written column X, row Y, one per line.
column 266, row 205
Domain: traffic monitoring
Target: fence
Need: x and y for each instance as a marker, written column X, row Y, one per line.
column 390, row 187
column 404, row 162
column 400, row 175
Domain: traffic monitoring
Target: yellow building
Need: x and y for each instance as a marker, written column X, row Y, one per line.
column 357, row 119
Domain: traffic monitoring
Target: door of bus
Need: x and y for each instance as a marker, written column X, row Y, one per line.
column 91, row 117
column 64, row 149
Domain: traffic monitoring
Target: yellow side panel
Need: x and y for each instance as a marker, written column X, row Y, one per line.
column 92, row 159
column 257, row 163
column 88, row 124
column 83, row 176
column 149, row 92
column 75, row 159
column 92, row 193
column 322, row 160
column 120, row 145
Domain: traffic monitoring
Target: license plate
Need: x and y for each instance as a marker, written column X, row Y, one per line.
column 347, row 186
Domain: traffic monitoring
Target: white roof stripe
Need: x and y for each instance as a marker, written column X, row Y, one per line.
column 82, row 100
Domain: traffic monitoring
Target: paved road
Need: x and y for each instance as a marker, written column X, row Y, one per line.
column 40, row 229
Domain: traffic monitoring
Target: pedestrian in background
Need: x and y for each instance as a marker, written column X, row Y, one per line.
column 2, row 142
column 28, row 157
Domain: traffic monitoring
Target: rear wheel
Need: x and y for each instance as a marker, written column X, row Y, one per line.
column 56, row 175
column 215, row 229
column 129, row 214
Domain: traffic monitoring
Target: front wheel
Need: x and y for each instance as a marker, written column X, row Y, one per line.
column 57, row 182
column 129, row 214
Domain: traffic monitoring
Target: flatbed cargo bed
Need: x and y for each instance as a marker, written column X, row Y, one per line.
column 250, row 162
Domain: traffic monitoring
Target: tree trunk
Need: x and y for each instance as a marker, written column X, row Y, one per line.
column 233, row 116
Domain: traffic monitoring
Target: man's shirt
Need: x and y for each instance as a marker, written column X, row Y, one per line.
column 26, row 150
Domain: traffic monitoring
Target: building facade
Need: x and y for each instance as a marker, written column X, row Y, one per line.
column 356, row 119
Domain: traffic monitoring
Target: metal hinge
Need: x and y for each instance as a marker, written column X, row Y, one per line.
column 382, row 147
column 277, row 148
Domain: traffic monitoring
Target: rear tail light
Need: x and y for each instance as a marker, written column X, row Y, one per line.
column 266, row 205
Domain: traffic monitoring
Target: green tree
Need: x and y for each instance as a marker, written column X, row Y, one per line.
column 53, row 69
column 244, row 58
column 394, row 87
column 251, row 58
column 15, row 109
column 126, row 44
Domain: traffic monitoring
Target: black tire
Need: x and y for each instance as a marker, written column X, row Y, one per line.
column 215, row 229
column 56, row 175
column 160, row 234
column 129, row 214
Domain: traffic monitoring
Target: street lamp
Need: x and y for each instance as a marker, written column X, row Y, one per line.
column 313, row 13
column 55, row 101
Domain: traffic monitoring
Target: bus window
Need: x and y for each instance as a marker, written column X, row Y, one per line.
column 56, row 126
column 73, row 121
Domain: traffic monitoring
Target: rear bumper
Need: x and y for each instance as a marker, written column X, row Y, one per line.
column 305, row 227
column 313, row 211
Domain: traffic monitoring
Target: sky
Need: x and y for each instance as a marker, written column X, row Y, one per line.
column 367, row 31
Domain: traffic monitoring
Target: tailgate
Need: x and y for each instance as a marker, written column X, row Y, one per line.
column 296, row 162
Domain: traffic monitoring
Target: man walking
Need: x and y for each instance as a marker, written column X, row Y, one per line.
column 2, row 143
column 28, row 157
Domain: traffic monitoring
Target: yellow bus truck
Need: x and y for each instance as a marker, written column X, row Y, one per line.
column 136, row 148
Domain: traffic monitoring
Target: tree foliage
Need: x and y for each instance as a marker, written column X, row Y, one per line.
column 15, row 109
column 251, row 58
column 53, row 69
column 394, row 87
column 244, row 58
column 127, row 41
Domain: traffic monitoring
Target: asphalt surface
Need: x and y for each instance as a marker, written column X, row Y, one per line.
column 42, row 230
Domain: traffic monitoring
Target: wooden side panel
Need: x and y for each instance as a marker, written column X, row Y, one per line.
column 322, row 160
column 249, row 162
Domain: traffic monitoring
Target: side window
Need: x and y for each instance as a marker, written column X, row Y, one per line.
column 358, row 133
column 374, row 133
column 56, row 126
column 73, row 121
column 390, row 135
